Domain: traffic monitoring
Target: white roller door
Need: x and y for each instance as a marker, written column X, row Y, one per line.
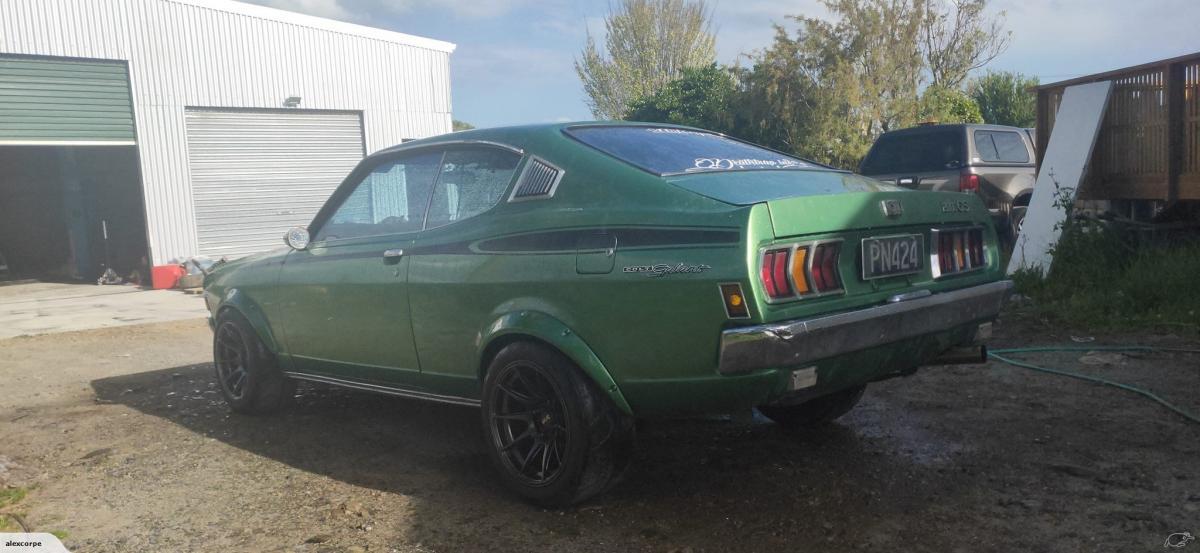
column 257, row 173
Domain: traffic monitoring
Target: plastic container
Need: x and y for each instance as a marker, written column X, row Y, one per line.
column 166, row 276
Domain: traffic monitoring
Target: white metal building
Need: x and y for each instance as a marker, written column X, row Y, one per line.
column 238, row 121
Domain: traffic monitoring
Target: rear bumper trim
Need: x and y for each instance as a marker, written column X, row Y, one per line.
column 793, row 343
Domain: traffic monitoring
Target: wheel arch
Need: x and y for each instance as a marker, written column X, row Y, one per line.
column 235, row 301
column 545, row 329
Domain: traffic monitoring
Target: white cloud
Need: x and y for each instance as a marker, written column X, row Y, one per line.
column 332, row 9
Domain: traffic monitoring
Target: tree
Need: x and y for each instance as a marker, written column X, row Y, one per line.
column 649, row 43
column 461, row 125
column 1004, row 98
column 871, row 66
column 948, row 105
column 699, row 98
column 962, row 39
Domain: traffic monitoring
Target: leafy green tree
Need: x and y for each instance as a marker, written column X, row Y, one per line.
column 461, row 125
column 700, row 98
column 948, row 105
column 958, row 37
column 828, row 91
column 1004, row 98
column 648, row 44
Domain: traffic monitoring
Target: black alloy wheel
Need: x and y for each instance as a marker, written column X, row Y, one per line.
column 231, row 353
column 529, row 423
column 249, row 379
column 554, row 437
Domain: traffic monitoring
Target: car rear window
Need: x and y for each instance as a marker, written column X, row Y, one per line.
column 1002, row 146
column 669, row 151
column 915, row 152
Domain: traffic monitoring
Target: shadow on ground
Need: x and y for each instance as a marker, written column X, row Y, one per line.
column 708, row 485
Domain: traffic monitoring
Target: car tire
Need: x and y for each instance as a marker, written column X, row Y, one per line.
column 247, row 374
column 815, row 411
column 1016, row 218
column 553, row 436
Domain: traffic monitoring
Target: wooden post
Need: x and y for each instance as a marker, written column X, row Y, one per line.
column 1174, row 96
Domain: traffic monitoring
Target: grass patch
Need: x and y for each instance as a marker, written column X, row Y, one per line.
column 1108, row 280
column 12, row 496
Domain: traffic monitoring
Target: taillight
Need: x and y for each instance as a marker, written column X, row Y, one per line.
column 775, row 273
column 968, row 182
column 825, row 267
column 818, row 275
column 958, row 251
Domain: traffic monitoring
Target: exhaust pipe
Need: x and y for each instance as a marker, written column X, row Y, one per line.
column 969, row 355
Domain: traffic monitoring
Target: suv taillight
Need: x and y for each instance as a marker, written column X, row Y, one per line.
column 968, row 182
column 958, row 251
column 820, row 275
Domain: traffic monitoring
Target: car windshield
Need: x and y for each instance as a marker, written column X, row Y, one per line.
column 915, row 152
column 668, row 151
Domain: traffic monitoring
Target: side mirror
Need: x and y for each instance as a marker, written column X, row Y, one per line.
column 296, row 238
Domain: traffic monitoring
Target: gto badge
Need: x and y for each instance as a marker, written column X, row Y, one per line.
column 892, row 208
column 664, row 269
column 956, row 206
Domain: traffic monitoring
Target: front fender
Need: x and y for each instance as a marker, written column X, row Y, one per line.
column 236, row 300
column 554, row 332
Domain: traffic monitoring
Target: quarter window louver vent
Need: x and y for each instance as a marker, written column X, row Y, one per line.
column 538, row 180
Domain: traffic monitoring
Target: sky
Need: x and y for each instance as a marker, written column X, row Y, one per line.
column 514, row 58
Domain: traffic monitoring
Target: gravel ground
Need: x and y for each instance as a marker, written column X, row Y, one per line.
column 126, row 446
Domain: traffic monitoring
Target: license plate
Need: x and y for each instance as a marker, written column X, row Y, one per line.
column 892, row 255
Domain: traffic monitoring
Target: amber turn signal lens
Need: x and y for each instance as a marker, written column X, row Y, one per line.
column 735, row 302
column 799, row 271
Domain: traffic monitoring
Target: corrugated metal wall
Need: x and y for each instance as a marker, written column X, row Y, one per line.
column 257, row 173
column 64, row 102
column 214, row 53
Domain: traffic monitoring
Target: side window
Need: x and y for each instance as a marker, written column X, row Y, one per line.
column 390, row 199
column 471, row 181
column 1002, row 146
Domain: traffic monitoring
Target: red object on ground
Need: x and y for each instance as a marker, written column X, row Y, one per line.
column 165, row 276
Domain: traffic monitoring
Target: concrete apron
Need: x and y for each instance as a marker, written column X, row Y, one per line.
column 45, row 308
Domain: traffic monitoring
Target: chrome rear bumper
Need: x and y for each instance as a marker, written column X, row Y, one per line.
column 793, row 343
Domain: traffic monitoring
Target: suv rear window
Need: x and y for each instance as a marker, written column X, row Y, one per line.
column 1002, row 146
column 915, row 152
column 670, row 151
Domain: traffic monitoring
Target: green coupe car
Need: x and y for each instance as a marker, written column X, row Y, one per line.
column 568, row 279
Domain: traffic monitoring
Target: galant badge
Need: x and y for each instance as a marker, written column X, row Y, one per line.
column 663, row 269
column 892, row 208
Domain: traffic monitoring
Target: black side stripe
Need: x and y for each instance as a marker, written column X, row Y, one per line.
column 554, row 241
column 569, row 240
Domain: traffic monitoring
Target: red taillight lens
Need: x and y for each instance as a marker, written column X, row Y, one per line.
column 828, row 277
column 968, row 183
column 775, row 273
column 825, row 274
column 959, row 251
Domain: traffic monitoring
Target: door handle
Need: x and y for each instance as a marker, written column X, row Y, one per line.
column 393, row 254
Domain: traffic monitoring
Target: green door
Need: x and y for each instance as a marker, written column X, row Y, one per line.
column 64, row 101
column 345, row 298
column 452, row 284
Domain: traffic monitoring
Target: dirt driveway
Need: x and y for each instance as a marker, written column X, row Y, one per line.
column 125, row 445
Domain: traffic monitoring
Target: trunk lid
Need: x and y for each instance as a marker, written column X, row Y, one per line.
column 799, row 216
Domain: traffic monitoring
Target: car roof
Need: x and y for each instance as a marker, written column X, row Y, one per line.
column 517, row 135
column 922, row 129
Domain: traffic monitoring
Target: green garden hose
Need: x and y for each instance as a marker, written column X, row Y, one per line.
column 997, row 355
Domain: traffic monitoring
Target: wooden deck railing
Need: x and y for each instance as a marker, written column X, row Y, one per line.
column 1149, row 142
